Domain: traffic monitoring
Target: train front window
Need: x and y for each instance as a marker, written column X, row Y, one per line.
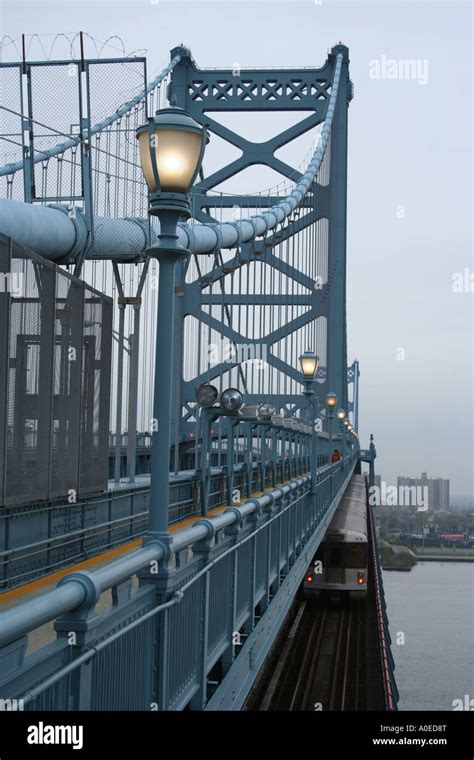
column 356, row 559
column 334, row 557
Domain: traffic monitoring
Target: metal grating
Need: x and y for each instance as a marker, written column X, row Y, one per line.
column 56, row 333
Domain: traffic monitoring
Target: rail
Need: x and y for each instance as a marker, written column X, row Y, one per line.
column 386, row 658
column 229, row 566
column 71, row 532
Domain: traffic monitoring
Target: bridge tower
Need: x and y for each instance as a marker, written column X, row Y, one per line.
column 319, row 285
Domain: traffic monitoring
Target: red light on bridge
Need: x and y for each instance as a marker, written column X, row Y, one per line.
column 309, row 578
column 360, row 579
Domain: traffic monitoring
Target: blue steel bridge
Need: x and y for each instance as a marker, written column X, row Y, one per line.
column 167, row 472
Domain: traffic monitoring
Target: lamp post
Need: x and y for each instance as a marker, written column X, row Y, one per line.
column 346, row 424
column 309, row 367
column 373, row 454
column 230, row 403
column 349, row 430
column 171, row 147
column 331, row 401
column 340, row 414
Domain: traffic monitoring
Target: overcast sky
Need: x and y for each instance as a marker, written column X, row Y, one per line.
column 409, row 194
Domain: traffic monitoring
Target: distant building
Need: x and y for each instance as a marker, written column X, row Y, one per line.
column 438, row 489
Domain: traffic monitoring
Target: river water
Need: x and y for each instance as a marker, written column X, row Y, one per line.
column 433, row 606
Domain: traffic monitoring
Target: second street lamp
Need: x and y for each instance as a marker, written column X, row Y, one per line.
column 331, row 401
column 171, row 146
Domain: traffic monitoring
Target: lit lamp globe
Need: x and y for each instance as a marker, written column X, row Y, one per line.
column 171, row 146
column 346, row 423
column 340, row 414
column 331, row 401
column 309, row 364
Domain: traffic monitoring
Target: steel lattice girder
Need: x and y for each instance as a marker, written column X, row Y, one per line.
column 200, row 91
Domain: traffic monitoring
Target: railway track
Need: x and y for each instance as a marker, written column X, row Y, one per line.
column 321, row 664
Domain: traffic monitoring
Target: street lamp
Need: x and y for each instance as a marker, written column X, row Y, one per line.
column 340, row 414
column 345, row 430
column 309, row 363
column 331, row 401
column 171, row 147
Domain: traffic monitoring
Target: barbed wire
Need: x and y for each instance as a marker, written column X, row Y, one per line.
column 70, row 37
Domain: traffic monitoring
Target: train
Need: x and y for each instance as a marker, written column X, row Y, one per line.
column 339, row 567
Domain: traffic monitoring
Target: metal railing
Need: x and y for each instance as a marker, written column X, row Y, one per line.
column 77, row 531
column 168, row 643
column 387, row 663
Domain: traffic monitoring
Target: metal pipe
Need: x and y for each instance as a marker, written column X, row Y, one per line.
column 48, row 231
column 19, row 620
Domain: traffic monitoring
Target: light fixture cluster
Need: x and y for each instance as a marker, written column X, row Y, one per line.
column 309, row 363
column 231, row 399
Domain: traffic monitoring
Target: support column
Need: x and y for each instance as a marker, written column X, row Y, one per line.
column 160, row 452
column 336, row 324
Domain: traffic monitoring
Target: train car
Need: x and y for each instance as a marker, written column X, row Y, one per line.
column 339, row 567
